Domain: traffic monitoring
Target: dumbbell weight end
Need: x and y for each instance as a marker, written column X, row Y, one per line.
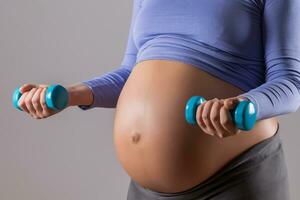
column 244, row 115
column 56, row 97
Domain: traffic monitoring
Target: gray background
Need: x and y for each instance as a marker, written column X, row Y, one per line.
column 70, row 156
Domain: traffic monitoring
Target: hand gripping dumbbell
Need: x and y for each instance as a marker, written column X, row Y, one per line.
column 243, row 116
column 56, row 97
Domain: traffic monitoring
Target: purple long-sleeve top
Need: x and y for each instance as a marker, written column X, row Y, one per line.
column 251, row 44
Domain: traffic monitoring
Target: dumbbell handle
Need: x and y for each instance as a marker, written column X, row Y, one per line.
column 243, row 115
column 56, row 97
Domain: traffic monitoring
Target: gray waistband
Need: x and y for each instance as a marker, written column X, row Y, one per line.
column 235, row 168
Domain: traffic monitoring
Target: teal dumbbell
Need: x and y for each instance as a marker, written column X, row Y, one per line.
column 56, row 97
column 244, row 115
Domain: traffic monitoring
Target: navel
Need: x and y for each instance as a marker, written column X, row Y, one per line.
column 135, row 137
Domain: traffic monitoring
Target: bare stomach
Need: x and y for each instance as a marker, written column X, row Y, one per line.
column 153, row 141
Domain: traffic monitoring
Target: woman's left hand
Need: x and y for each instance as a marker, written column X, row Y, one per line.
column 214, row 118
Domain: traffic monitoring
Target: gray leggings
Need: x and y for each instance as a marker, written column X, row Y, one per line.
column 259, row 173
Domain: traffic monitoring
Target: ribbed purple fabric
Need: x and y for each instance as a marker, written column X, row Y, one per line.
column 252, row 44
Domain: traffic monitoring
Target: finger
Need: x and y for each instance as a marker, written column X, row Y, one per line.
column 46, row 110
column 206, row 116
column 221, row 101
column 22, row 103
column 231, row 103
column 28, row 101
column 228, row 103
column 215, row 119
column 36, row 102
column 199, row 114
column 199, row 119
column 227, row 122
column 26, row 87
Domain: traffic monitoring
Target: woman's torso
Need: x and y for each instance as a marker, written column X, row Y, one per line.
column 155, row 144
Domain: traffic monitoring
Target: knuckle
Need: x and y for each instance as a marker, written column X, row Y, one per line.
column 205, row 116
column 28, row 105
column 199, row 122
column 215, row 117
column 22, row 103
column 35, row 103
column 225, row 122
column 35, row 99
column 46, row 113
column 27, row 101
column 209, row 132
column 43, row 115
column 39, row 114
column 23, row 86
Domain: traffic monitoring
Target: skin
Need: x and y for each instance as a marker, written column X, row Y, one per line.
column 212, row 115
column 160, row 156
column 154, row 143
column 214, row 119
column 33, row 101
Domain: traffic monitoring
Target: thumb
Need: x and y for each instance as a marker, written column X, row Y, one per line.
column 43, row 85
column 26, row 87
column 231, row 103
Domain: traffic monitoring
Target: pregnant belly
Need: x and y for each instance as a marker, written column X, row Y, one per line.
column 153, row 141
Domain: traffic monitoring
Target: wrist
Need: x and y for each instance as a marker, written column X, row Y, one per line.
column 243, row 98
column 71, row 99
column 79, row 94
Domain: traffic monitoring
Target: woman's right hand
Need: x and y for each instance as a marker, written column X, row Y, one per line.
column 33, row 101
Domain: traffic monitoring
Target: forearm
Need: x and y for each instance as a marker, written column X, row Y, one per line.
column 276, row 97
column 79, row 94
